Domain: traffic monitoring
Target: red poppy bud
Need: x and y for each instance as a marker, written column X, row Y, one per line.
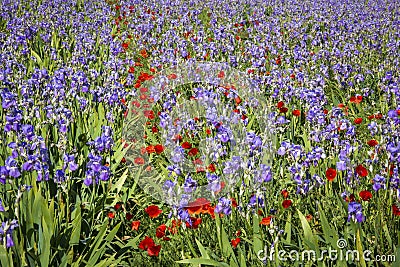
column 365, row 195
column 296, row 113
column 330, row 174
column 358, row 121
column 286, row 203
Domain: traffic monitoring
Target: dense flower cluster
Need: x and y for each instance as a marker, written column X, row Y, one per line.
column 71, row 71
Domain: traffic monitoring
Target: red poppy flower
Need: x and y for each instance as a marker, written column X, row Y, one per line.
column 153, row 251
column 398, row 112
column 135, row 225
column 235, row 242
column 186, row 145
column 330, row 174
column 266, row 221
column 153, row 211
column 143, row 53
column 198, row 206
column 172, row 76
column 195, row 223
column 211, row 168
column 280, row 104
column 286, row 203
column 309, row 217
column 174, row 226
column 221, row 74
column 150, row 149
column 238, row 100
column 149, row 114
column 160, row 231
column 118, row 206
column 283, row 110
column 210, row 210
column 125, row 45
column 371, row 117
column 111, row 215
column 177, row 137
column 372, row 142
column 139, row 161
column 234, row 202
column 395, row 210
column 193, row 152
column 159, row 148
column 296, row 113
column 146, row 243
column 128, row 216
column 352, row 198
column 358, row 121
column 356, row 99
column 131, row 69
column 365, row 195
column 198, row 161
column 285, row 193
column 361, row 170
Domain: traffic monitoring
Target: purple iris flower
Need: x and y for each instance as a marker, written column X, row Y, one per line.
column 264, row 174
column 224, row 206
column 6, row 230
column 341, row 165
column 190, row 185
column 355, row 212
column 12, row 168
column 379, row 182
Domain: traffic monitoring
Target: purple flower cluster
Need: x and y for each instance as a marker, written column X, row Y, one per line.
column 6, row 230
column 355, row 212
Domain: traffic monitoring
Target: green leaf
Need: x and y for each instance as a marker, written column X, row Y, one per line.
column 38, row 59
column 100, row 251
column 309, row 238
column 44, row 256
column 224, row 243
column 203, row 251
column 133, row 242
column 3, row 256
column 257, row 240
column 288, row 229
column 360, row 248
column 118, row 185
column 330, row 235
column 387, row 235
column 76, row 225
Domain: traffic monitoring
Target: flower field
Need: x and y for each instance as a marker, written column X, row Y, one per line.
column 199, row 133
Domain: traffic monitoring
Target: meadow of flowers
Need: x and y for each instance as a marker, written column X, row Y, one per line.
column 199, row 133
